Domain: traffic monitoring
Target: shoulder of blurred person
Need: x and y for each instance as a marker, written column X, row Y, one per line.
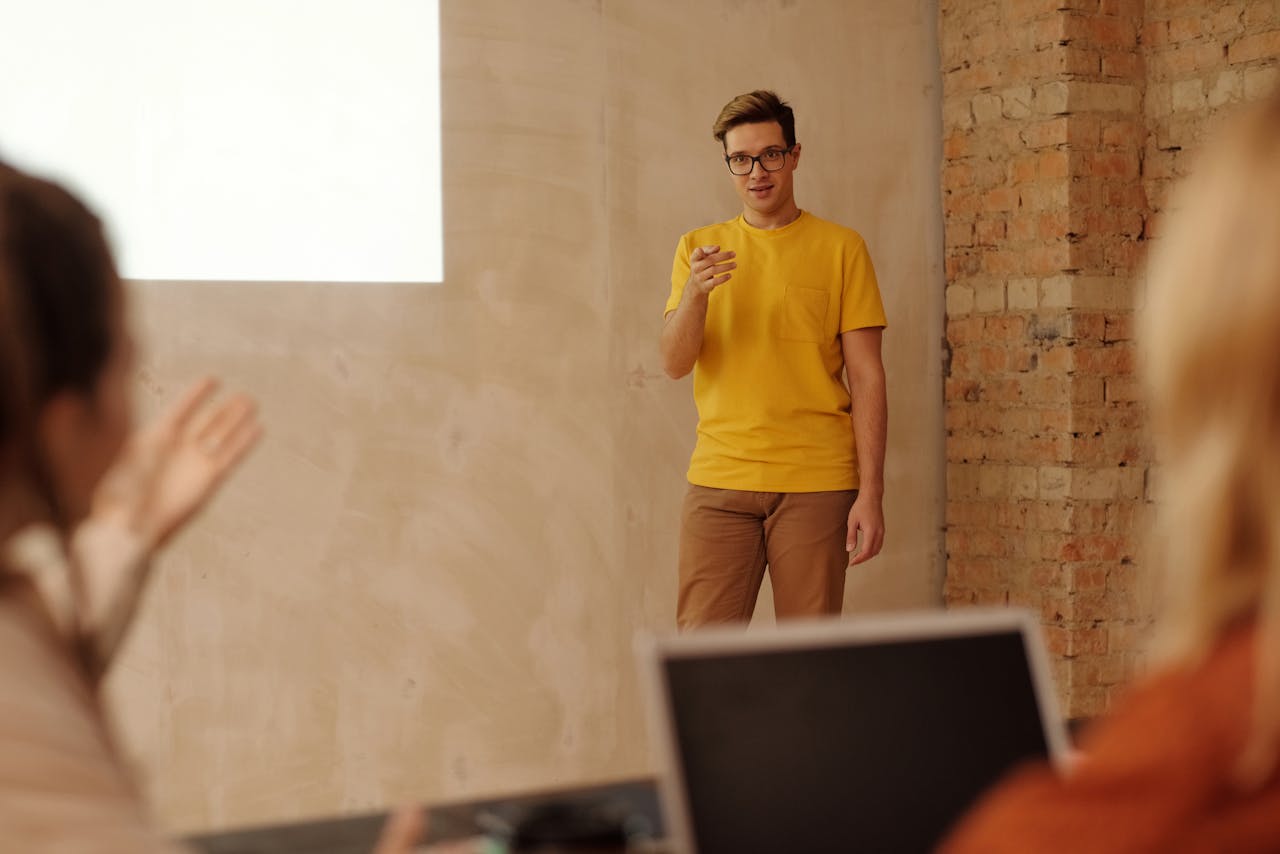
column 63, row 781
column 1157, row 774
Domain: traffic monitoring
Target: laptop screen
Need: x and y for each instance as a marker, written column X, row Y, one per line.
column 874, row 745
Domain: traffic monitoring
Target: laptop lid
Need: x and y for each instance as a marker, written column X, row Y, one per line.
column 860, row 734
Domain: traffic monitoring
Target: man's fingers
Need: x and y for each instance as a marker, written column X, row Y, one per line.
column 872, row 541
column 700, row 252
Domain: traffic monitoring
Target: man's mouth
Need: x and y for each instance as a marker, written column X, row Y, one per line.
column 761, row 189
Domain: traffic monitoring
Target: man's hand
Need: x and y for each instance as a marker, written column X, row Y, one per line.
column 709, row 268
column 174, row 465
column 867, row 517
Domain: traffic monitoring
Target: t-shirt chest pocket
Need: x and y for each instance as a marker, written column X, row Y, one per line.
column 804, row 315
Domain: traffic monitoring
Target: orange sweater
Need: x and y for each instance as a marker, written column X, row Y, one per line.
column 1155, row 776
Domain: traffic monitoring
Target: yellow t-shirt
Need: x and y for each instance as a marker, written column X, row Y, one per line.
column 773, row 409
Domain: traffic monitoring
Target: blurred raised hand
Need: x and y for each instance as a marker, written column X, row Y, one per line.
column 172, row 467
column 166, row 473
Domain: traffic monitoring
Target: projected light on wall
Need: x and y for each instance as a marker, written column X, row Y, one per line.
column 230, row 140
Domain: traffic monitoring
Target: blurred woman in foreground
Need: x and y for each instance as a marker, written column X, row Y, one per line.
column 84, row 503
column 1188, row 762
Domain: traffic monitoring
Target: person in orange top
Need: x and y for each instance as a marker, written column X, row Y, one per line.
column 1190, row 760
column 769, row 310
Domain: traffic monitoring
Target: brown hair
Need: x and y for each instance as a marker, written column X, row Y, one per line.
column 761, row 105
column 58, row 288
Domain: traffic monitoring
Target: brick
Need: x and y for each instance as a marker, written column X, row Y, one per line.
column 989, row 298
column 1123, row 64
column 1184, row 59
column 1001, row 262
column 957, row 176
column 1120, row 327
column 1055, row 292
column 959, row 300
column 957, row 115
column 957, row 266
column 1101, row 292
column 1047, row 133
column 956, row 146
column 1053, row 164
column 989, row 232
column 1260, row 82
column 1154, row 34
column 1002, row 199
column 962, row 481
column 1051, row 98
column 1258, row 15
column 1103, row 31
column 1226, row 20
column 959, row 235
column 1112, row 164
column 1186, row 28
column 1025, row 10
column 1158, row 101
column 1227, row 88
column 1257, row 46
column 1045, row 260
column 1022, row 294
column 1104, row 361
column 1023, row 229
column 1053, row 225
column 1122, row 8
column 986, row 108
column 965, row 331
column 1022, row 169
column 1188, row 96
column 1046, row 33
column 1044, row 195
column 1104, row 97
column 1015, row 103
column 1126, row 134
column 1123, row 390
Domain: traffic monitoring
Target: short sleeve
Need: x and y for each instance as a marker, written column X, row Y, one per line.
column 860, row 303
column 679, row 274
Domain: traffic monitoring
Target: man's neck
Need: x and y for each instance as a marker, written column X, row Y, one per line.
column 785, row 216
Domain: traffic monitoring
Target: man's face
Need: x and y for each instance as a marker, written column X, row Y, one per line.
column 765, row 193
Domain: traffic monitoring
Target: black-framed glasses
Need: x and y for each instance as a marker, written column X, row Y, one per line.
column 771, row 161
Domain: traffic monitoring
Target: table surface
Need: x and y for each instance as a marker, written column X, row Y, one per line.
column 637, row 800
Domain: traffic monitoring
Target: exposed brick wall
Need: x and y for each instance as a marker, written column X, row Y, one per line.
column 1202, row 59
column 1064, row 122
column 1045, row 211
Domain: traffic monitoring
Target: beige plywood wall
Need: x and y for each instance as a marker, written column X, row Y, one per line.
column 427, row 582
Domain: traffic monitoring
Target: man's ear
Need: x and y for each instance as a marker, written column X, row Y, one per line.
column 795, row 155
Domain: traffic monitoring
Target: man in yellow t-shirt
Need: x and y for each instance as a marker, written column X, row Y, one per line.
column 768, row 310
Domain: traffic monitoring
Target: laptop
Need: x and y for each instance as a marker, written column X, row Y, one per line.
column 859, row 734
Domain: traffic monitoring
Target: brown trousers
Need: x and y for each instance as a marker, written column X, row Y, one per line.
column 728, row 537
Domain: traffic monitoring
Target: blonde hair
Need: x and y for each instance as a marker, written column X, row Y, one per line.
column 1211, row 335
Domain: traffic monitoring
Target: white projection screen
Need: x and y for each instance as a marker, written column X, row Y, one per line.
column 237, row 140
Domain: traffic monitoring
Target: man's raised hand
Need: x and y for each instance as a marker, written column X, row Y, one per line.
column 709, row 268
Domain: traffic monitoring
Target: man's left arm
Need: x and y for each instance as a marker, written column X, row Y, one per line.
column 864, row 370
